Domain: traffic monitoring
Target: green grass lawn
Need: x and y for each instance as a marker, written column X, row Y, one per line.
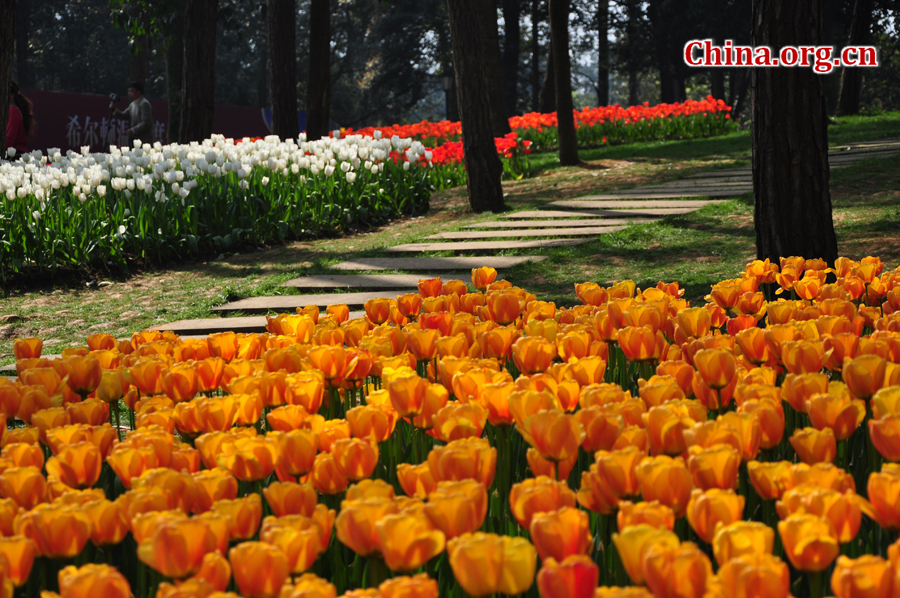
column 697, row 249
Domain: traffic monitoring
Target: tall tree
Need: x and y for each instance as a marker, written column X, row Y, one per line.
column 483, row 168
column 790, row 138
column 535, row 56
column 603, row 52
column 851, row 77
column 318, row 90
column 174, row 49
column 199, row 72
column 512, row 10
column 490, row 56
column 280, row 20
column 562, row 70
column 23, row 18
column 138, row 64
column 547, row 101
column 7, row 30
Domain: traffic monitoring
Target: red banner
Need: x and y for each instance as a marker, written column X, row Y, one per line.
column 74, row 120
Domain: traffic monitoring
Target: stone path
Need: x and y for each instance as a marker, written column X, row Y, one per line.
column 559, row 224
column 362, row 281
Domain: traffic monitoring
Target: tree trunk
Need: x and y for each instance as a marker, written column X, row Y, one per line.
column 318, row 94
column 790, row 138
column 491, row 57
column 603, row 53
column 199, row 70
column 717, row 83
column 535, row 57
column 7, row 32
column 512, row 41
column 559, row 34
column 451, row 101
column 548, row 87
column 138, row 62
column 175, row 74
column 851, row 77
column 483, row 168
column 280, row 19
column 23, row 18
column 633, row 85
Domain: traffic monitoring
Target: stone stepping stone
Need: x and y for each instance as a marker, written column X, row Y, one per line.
column 589, row 201
column 430, row 264
column 731, row 172
column 202, row 327
column 634, row 213
column 552, row 223
column 289, row 303
column 484, row 245
column 360, row 281
column 651, row 193
column 546, row 232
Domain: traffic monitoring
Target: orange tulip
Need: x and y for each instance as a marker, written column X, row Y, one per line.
column 841, row 413
column 325, row 476
column 77, row 465
column 602, row 429
column 259, row 569
column 485, row 564
column 641, row 343
column 299, row 537
column 868, row 575
column 755, row 576
column 798, row 389
column 533, row 355
column 561, row 533
column 714, row 467
column 416, row 480
column 555, row 435
column 109, row 525
column 92, row 580
column 457, row 508
column 355, row 458
column 408, row 541
column 469, row 458
column 666, row 480
column 810, row 542
column 83, row 374
column 617, row 470
column 504, row 307
column 27, row 348
column 59, row 531
column 864, row 375
column 18, row 553
column 634, row 542
column 535, row 495
column 740, row 539
column 677, row 570
column 25, row 485
column 804, row 357
column 716, row 367
column 818, row 446
column 574, row 577
column 707, row 509
column 355, row 524
column 482, row 277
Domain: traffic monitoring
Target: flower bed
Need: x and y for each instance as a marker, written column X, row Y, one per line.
column 451, row 441
column 593, row 126
column 174, row 202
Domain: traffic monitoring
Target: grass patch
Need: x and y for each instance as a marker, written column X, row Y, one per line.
column 696, row 249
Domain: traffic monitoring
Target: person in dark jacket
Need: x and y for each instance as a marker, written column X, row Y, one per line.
column 20, row 124
column 139, row 114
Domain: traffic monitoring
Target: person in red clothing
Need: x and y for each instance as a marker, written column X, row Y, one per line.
column 20, row 124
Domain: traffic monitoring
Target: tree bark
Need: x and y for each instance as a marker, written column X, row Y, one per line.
column 633, row 88
column 490, row 44
column 483, row 168
column 175, row 74
column 138, row 62
column 199, row 83
column 790, row 138
column 535, row 57
column 23, row 18
column 851, row 77
column 559, row 34
column 548, row 87
column 280, row 20
column 7, row 32
column 603, row 53
column 511, row 46
column 318, row 94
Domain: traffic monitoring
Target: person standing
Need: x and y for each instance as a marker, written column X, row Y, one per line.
column 139, row 114
column 20, row 124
